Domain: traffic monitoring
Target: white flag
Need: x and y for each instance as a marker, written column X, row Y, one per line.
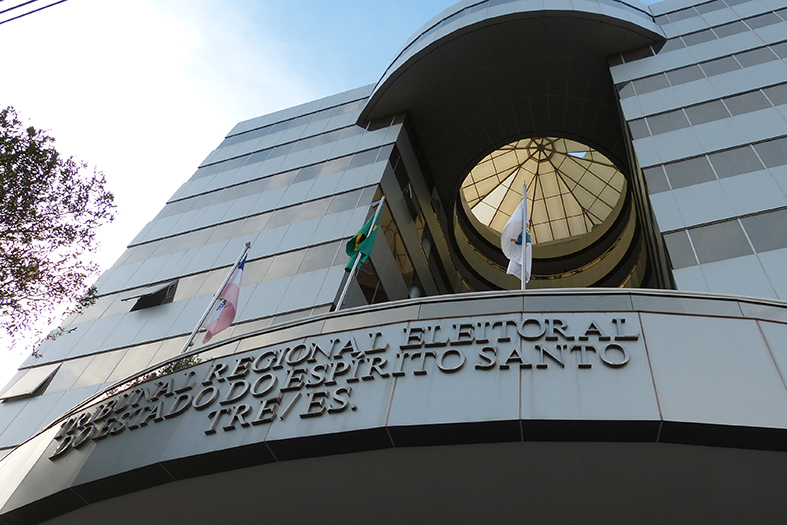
column 514, row 234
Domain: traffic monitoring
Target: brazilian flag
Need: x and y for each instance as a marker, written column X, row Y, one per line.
column 361, row 244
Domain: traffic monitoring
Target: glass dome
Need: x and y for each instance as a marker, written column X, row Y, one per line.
column 571, row 188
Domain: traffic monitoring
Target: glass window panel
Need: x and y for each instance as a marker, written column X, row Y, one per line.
column 213, row 280
column 777, row 94
column 637, row 54
column 671, row 45
column 716, row 242
column 230, row 194
column 254, row 270
column 626, row 90
column 706, row 35
column 283, row 217
column 142, row 252
column 780, row 49
column 68, row 374
column 308, row 173
column 313, row 209
column 767, row 231
column 258, row 156
column 685, row 74
column 281, row 180
column 730, row 29
column 710, row 6
column 318, row 257
column 99, row 369
column 253, row 224
column 747, row 103
column 280, row 151
column 254, row 187
column 188, row 286
column 135, row 360
column 352, row 131
column 683, row 14
column 363, row 158
column 196, row 238
column 648, row 84
column 657, row 181
column 782, row 13
column 689, row 172
column 304, row 144
column 639, row 129
column 344, row 201
column 667, row 122
column 736, row 2
column 329, row 137
column 679, row 249
column 773, row 153
column 707, row 112
column 720, row 66
column 205, row 200
column 280, row 126
column 223, row 232
column 755, row 57
column 30, row 383
column 763, row 20
column 661, row 20
column 284, row 265
column 735, row 162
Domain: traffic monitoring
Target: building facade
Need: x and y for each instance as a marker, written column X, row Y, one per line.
column 649, row 349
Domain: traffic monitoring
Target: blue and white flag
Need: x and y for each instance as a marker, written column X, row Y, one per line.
column 511, row 241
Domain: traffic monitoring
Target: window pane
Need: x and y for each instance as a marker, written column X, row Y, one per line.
column 693, row 39
column 667, row 122
column 313, row 209
column 711, row 6
column 284, row 265
column 685, row 74
column 626, row 90
column 318, row 257
column 345, row 201
column 308, row 173
column 780, row 49
column 672, row 44
column 683, row 14
column 735, row 162
column 679, row 249
column 720, row 66
column 747, row 103
column 730, row 29
column 657, row 181
column 648, row 84
column 254, row 224
column 763, row 20
column 720, row 241
column 767, row 231
column 282, row 179
column 335, row 166
column 755, row 56
column 777, row 94
column 689, row 172
column 773, row 153
column 363, row 158
column 707, row 112
column 283, row 217
column 639, row 129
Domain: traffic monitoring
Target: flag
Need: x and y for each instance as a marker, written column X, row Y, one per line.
column 361, row 243
column 511, row 242
column 223, row 312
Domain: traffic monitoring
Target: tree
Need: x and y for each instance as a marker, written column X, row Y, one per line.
column 50, row 209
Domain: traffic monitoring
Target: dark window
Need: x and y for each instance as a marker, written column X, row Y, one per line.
column 313, row 209
column 667, row 122
column 730, row 29
column 717, row 242
column 780, row 49
column 281, row 180
column 162, row 295
column 648, row 84
column 637, row 54
column 345, row 201
column 657, row 181
column 689, row 172
column 720, row 66
column 308, row 173
column 639, row 129
column 335, row 166
column 777, row 94
column 683, row 14
column 747, row 103
column 763, row 20
column 364, row 158
column 707, row 112
column 685, row 74
column 679, row 248
column 755, row 57
column 283, row 217
column 773, row 153
column 671, row 45
column 318, row 257
column 706, row 35
column 625, row 90
column 284, row 265
column 735, row 162
column 710, row 6
column 767, row 231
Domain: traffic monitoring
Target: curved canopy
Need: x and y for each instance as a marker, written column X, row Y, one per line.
column 570, row 187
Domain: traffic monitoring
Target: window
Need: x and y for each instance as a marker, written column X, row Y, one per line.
column 735, row 162
column 679, row 248
column 707, row 112
column 717, row 242
column 767, row 231
column 747, row 103
column 689, row 172
column 666, row 122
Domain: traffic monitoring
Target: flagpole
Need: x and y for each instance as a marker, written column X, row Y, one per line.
column 215, row 298
column 358, row 258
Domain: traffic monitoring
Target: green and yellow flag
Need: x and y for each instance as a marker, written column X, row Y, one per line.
column 361, row 243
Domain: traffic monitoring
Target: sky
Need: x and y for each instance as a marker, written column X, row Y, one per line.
column 144, row 90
